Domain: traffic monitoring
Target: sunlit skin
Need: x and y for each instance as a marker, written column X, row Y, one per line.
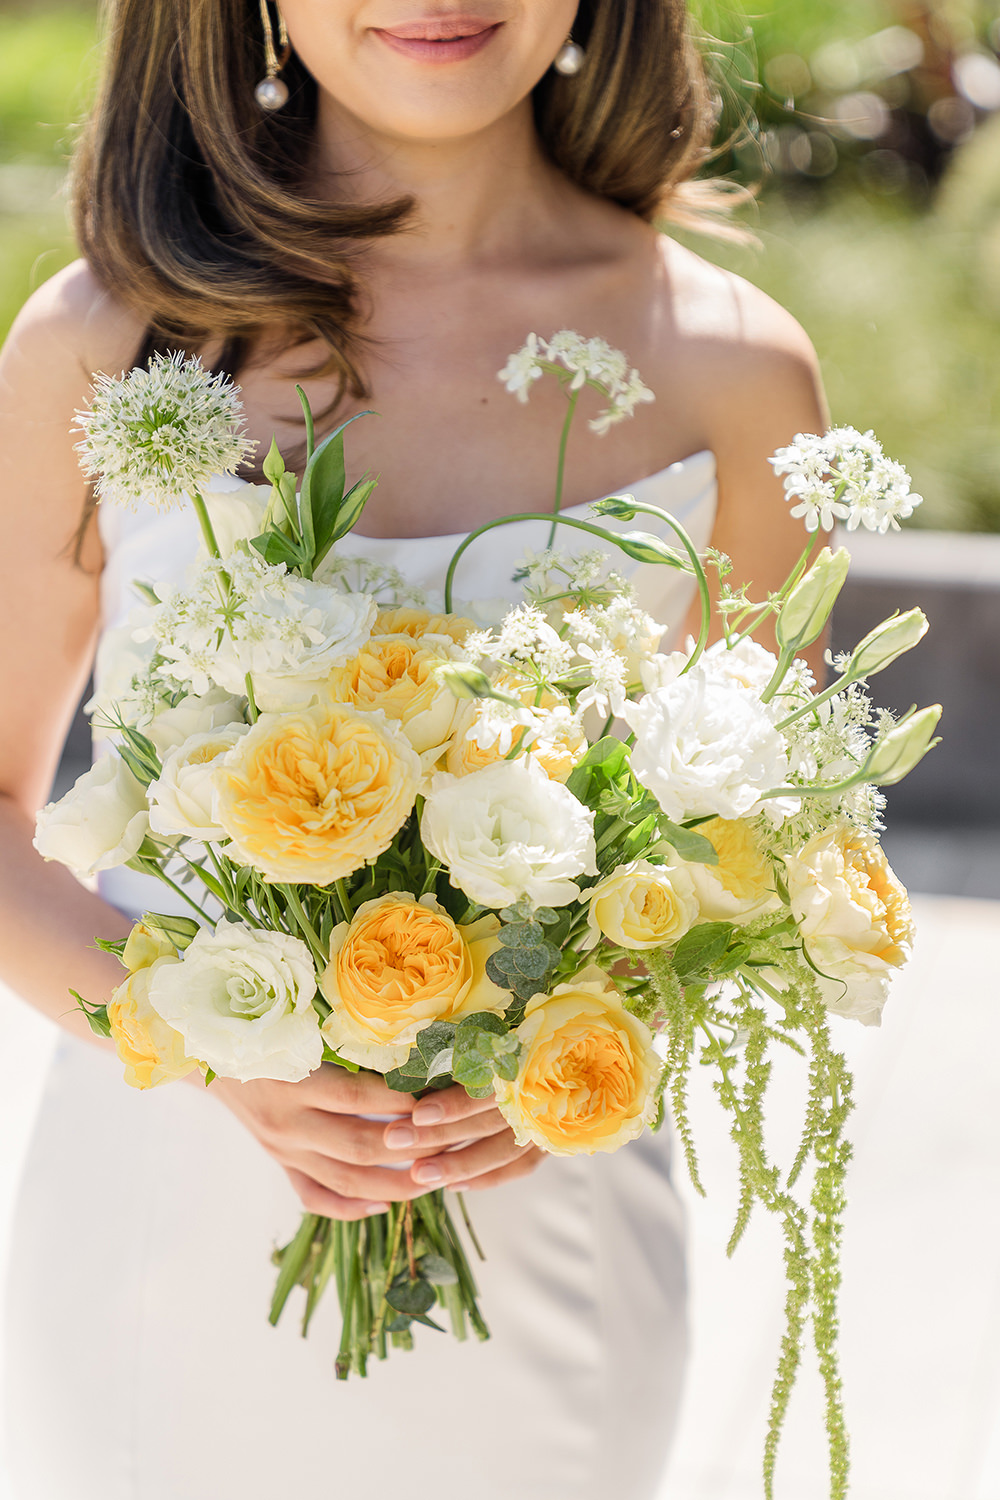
column 430, row 100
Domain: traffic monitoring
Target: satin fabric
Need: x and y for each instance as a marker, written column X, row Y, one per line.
column 140, row 1363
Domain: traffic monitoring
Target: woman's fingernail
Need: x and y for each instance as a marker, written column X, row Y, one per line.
column 400, row 1135
column 376, row 1208
column 427, row 1114
column 428, row 1173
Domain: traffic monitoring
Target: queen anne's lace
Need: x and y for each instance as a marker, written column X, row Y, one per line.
column 588, row 361
column 844, row 476
column 159, row 434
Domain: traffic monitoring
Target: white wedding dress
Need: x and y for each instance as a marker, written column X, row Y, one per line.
column 140, row 1363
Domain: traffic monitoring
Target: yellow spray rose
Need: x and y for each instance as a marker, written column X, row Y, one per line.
column 311, row 796
column 558, row 749
column 395, row 672
column 399, row 965
column 152, row 1051
column 588, row 1078
column 741, row 885
column 641, row 905
column 854, row 917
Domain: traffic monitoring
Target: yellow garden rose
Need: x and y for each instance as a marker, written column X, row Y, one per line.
column 399, row 965
column 311, row 796
column 641, row 905
column 588, row 1078
column 741, row 886
column 417, row 623
column 854, row 917
column 152, row 1051
column 395, row 672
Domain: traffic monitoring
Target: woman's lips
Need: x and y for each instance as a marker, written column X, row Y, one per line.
column 446, row 40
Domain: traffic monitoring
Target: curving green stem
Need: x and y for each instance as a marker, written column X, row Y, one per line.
column 639, row 507
column 524, row 515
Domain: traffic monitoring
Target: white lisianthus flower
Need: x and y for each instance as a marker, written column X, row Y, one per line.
column 181, row 800
column 854, row 918
column 195, row 714
column 508, row 831
column 157, row 434
column 749, row 665
column 99, row 824
column 242, row 1000
column 704, row 748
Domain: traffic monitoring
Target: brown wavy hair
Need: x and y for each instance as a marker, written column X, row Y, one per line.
column 187, row 198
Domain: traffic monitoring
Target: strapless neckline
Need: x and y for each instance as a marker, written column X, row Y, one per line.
column 703, row 458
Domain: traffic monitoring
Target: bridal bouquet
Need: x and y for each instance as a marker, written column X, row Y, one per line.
column 530, row 855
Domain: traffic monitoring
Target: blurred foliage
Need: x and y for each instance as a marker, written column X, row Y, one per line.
column 899, row 290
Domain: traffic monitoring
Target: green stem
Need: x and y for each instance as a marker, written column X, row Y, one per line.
column 525, row 515
column 208, row 532
column 701, row 578
column 309, row 932
column 253, row 711
column 561, row 466
column 345, row 901
column 805, row 708
column 310, row 424
column 162, row 875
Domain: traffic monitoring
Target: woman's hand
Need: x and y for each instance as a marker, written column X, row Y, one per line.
column 346, row 1167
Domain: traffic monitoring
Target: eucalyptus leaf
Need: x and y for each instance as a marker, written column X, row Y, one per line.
column 411, row 1297
column 437, row 1270
column 440, row 1063
column 433, row 1039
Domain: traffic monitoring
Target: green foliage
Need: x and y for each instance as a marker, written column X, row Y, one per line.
column 97, row 1015
column 729, row 1032
column 526, row 960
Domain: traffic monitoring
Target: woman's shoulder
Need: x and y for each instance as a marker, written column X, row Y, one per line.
column 73, row 322
column 748, row 356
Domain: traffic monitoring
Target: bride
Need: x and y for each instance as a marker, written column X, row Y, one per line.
column 380, row 197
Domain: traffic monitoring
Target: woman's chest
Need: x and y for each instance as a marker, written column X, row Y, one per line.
column 451, row 446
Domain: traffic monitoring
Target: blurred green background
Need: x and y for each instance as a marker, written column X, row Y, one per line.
column 873, row 130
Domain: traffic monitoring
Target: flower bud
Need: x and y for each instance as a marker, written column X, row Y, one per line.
column 622, row 507
column 808, row 606
column 144, row 946
column 887, row 641
column 644, row 547
column 467, row 681
column 903, row 747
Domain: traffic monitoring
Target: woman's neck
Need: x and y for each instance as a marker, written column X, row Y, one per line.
column 484, row 198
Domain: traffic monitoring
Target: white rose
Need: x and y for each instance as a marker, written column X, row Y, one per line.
column 706, row 749
column 854, row 917
column 195, row 714
column 508, row 831
column 242, row 1000
column 99, row 824
column 641, row 905
column 181, row 801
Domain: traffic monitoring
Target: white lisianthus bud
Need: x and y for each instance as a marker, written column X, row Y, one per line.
column 809, row 605
column 887, row 641
column 903, row 747
column 465, row 680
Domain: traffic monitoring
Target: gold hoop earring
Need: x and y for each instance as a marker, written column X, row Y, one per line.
column 272, row 92
column 570, row 58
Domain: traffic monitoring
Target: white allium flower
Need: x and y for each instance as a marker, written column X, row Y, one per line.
column 508, row 831
column 705, row 748
column 157, row 435
column 242, row 1000
column 844, row 475
column 589, row 362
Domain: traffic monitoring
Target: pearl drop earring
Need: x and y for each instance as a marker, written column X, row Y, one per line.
column 272, row 92
column 569, row 59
